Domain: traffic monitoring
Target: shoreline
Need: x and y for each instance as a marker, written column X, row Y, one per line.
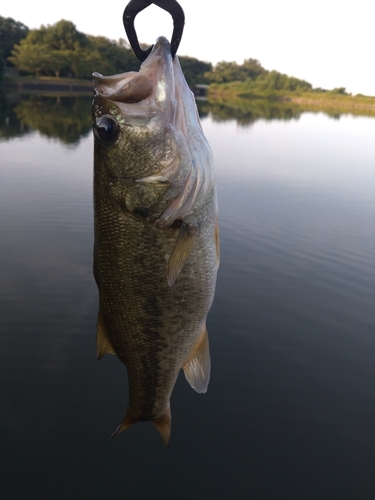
column 329, row 103
column 48, row 85
column 308, row 101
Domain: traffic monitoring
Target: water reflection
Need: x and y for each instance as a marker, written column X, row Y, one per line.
column 67, row 118
column 290, row 409
column 10, row 125
column 248, row 111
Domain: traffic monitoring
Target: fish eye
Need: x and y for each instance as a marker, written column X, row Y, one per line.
column 107, row 129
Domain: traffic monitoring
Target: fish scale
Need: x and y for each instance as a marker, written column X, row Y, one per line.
column 156, row 278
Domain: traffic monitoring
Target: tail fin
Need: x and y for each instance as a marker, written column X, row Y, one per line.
column 162, row 423
column 126, row 422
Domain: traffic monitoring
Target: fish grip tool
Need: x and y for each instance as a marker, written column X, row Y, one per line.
column 135, row 6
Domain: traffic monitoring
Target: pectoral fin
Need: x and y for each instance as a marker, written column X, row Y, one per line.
column 197, row 366
column 185, row 240
column 103, row 344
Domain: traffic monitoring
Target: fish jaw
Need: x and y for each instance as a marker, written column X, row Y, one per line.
column 152, row 88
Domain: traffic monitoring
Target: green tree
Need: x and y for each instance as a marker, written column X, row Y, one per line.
column 84, row 62
column 194, row 70
column 225, row 72
column 62, row 35
column 56, row 49
column 61, row 50
column 251, row 68
column 116, row 57
column 11, row 32
column 339, row 90
column 279, row 81
column 31, row 58
column 57, row 61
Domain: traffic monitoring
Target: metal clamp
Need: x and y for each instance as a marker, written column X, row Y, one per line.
column 136, row 6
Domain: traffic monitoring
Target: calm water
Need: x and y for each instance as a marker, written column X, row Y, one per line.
column 290, row 411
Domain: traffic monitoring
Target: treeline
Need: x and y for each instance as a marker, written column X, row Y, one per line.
column 252, row 77
column 11, row 32
column 60, row 50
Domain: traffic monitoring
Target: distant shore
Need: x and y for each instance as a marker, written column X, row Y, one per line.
column 308, row 101
column 65, row 85
column 333, row 101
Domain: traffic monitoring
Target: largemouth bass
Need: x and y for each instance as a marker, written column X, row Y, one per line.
column 156, row 249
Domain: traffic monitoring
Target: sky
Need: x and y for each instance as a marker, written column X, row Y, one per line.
column 329, row 43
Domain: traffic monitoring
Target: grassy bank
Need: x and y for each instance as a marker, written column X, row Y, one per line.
column 360, row 105
column 315, row 100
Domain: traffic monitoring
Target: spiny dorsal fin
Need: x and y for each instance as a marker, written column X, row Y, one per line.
column 185, row 240
column 103, row 345
column 197, row 366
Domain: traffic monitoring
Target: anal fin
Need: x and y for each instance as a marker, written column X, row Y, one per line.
column 197, row 366
column 185, row 240
column 103, row 344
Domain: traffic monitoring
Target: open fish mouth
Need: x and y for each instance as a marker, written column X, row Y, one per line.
column 153, row 79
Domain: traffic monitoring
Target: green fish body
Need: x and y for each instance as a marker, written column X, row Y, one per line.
column 156, row 249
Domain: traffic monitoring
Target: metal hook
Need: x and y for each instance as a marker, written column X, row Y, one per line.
column 136, row 6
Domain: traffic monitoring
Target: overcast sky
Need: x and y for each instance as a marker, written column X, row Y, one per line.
column 329, row 43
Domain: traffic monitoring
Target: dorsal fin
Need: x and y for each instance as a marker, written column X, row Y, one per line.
column 197, row 366
column 184, row 244
column 103, row 344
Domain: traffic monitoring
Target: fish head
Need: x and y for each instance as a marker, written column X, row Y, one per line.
column 131, row 116
column 147, row 129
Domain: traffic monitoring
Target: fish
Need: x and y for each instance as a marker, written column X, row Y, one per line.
column 156, row 234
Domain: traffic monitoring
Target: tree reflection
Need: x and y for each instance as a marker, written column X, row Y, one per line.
column 64, row 118
column 67, row 118
column 10, row 124
column 248, row 111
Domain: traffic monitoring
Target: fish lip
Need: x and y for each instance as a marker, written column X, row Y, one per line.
column 157, row 68
column 130, row 88
column 161, row 48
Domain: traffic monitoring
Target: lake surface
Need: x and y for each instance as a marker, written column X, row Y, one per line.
column 290, row 410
